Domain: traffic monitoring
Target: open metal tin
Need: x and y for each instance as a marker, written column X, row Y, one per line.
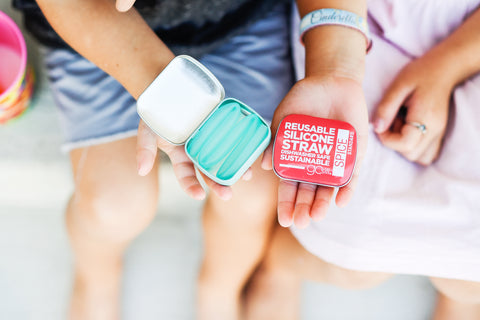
column 185, row 105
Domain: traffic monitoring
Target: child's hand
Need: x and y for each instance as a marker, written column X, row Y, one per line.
column 335, row 98
column 423, row 90
column 147, row 144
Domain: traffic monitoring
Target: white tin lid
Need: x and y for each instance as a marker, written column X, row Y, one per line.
column 180, row 99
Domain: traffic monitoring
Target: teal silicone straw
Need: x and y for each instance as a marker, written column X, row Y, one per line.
column 207, row 154
column 250, row 141
column 208, row 129
column 212, row 154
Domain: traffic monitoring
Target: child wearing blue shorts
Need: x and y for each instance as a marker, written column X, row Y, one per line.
column 105, row 57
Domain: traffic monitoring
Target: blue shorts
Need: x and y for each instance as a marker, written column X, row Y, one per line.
column 254, row 67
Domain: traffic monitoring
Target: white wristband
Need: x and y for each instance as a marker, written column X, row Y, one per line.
column 335, row 17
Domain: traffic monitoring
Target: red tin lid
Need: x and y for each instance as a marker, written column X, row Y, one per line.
column 315, row 150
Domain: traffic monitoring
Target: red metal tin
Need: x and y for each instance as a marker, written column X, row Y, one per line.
column 315, row 150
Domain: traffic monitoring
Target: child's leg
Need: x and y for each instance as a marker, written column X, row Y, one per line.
column 255, row 68
column 111, row 203
column 274, row 291
column 110, row 206
column 457, row 300
column 235, row 236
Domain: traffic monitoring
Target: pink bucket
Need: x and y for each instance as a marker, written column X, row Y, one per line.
column 16, row 79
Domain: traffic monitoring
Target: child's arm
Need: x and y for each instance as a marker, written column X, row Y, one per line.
column 332, row 88
column 424, row 87
column 121, row 44
column 124, row 46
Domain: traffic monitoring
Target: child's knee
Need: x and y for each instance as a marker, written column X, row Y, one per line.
column 458, row 290
column 115, row 207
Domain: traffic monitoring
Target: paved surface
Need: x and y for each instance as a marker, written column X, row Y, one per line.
column 161, row 265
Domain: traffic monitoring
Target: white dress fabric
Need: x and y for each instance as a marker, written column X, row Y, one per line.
column 405, row 218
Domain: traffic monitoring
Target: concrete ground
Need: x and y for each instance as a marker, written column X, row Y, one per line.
column 161, row 265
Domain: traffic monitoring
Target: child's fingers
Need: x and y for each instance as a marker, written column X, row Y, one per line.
column 248, row 174
column 416, row 152
column 426, row 152
column 267, row 154
column 182, row 167
column 267, row 158
column 145, row 161
column 287, row 193
column 410, row 136
column 430, row 154
column 147, row 145
column 124, row 5
column 320, row 205
column 223, row 192
column 146, row 149
column 185, row 172
column 389, row 105
column 303, row 204
column 346, row 192
column 404, row 141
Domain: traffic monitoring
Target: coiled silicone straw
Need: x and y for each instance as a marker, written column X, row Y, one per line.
column 228, row 142
column 231, row 109
column 251, row 140
column 208, row 156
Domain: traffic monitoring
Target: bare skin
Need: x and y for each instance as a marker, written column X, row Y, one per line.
column 457, row 299
column 236, row 235
column 102, row 220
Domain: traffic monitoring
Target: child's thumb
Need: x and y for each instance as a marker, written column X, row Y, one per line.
column 146, row 149
column 387, row 109
column 267, row 157
column 124, row 5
